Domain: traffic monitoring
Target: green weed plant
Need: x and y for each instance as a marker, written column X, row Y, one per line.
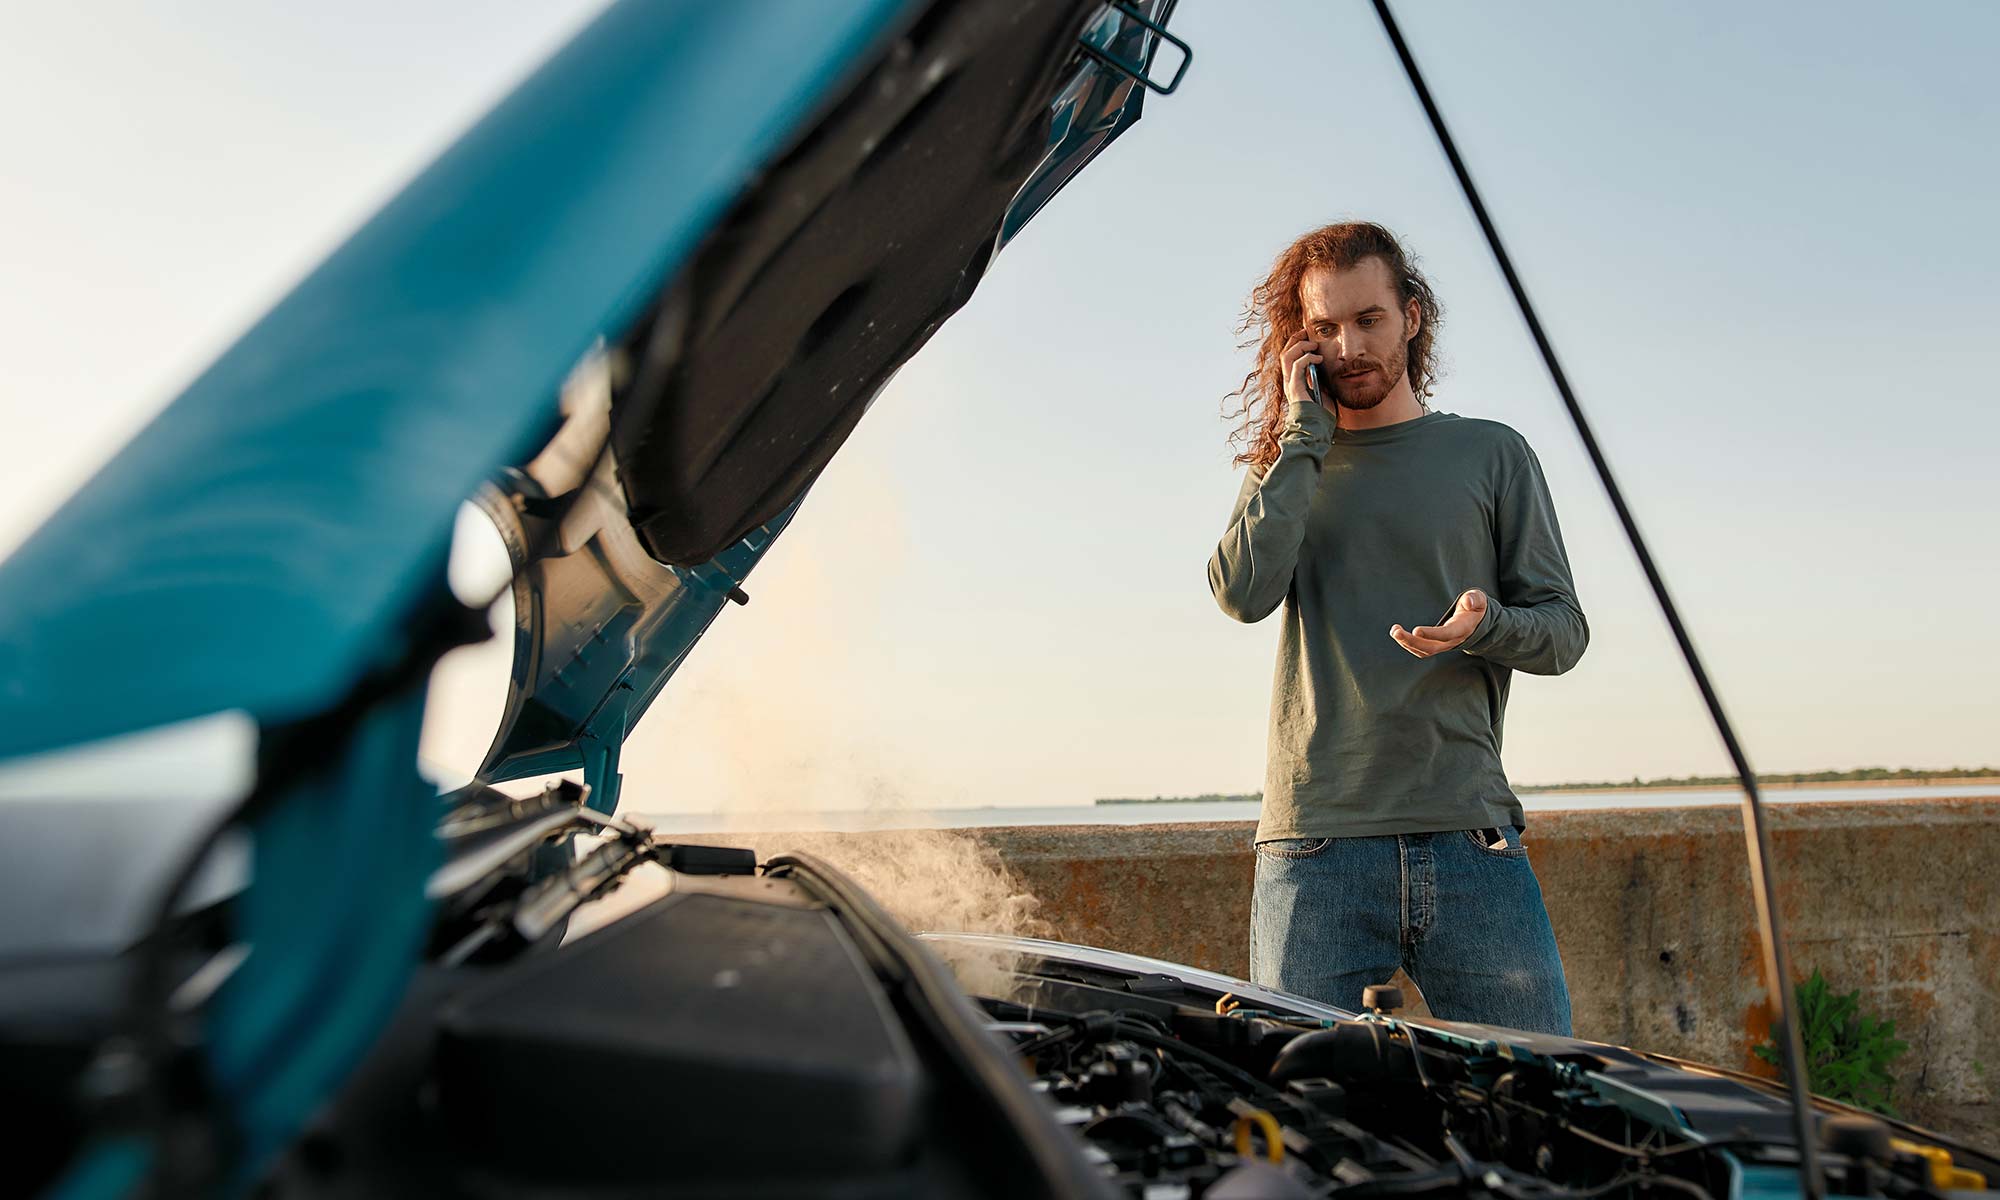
column 1848, row 1051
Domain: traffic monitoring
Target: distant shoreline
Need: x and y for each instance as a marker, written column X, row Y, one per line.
column 1766, row 784
column 1980, row 776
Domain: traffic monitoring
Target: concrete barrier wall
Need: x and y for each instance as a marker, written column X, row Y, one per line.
column 1651, row 907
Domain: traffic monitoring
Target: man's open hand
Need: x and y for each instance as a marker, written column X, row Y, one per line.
column 1426, row 640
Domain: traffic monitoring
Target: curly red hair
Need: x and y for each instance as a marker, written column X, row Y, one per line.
column 1275, row 314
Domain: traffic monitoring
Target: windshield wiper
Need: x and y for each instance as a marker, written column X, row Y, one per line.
column 1757, row 838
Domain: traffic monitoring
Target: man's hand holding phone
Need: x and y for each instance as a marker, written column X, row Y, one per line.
column 1300, row 360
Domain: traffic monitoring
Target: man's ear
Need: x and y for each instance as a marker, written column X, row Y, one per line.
column 1413, row 319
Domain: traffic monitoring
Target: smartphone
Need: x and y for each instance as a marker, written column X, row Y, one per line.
column 1314, row 387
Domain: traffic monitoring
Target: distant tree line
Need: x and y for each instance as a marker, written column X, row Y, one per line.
column 1210, row 798
column 1858, row 775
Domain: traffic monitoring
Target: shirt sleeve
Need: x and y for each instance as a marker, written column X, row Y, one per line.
column 1535, row 624
column 1251, row 569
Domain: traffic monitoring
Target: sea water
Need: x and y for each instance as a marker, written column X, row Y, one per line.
column 1226, row 810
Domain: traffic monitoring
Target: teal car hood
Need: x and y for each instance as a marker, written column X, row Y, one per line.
column 737, row 220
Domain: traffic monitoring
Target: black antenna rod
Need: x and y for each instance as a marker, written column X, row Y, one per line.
column 1756, row 835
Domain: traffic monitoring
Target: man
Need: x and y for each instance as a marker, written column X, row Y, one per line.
column 1389, row 836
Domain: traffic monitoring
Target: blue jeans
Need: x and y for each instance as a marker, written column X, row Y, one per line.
column 1328, row 916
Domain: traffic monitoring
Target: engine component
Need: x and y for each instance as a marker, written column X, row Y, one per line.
column 691, row 1015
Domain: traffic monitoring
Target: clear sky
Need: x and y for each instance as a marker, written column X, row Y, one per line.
column 1760, row 236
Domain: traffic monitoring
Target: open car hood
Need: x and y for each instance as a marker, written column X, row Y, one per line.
column 689, row 444
column 787, row 201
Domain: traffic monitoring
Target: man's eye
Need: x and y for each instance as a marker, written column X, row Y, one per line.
column 1368, row 322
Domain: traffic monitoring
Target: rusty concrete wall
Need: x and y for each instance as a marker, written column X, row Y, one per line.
column 1651, row 909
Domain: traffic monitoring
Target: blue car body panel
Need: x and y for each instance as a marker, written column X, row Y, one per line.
column 262, row 543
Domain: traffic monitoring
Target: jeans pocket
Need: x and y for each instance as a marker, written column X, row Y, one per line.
column 1293, row 847
column 1515, row 847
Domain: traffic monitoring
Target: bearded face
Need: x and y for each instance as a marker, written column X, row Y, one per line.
column 1362, row 328
column 1367, row 380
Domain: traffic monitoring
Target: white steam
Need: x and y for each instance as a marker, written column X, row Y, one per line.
column 797, row 706
column 797, row 703
column 932, row 880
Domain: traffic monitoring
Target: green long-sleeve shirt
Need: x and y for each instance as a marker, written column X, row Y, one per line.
column 1353, row 531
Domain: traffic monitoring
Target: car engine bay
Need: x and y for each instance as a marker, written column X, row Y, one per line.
column 602, row 1012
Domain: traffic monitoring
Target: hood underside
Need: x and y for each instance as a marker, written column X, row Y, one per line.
column 691, row 442
column 852, row 250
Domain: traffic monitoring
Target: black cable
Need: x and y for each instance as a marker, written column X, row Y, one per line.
column 1146, row 1035
column 1416, row 1059
column 1449, row 1180
column 1640, row 1179
column 1044, row 1041
column 1513, row 1184
column 1646, row 1153
column 1777, row 961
